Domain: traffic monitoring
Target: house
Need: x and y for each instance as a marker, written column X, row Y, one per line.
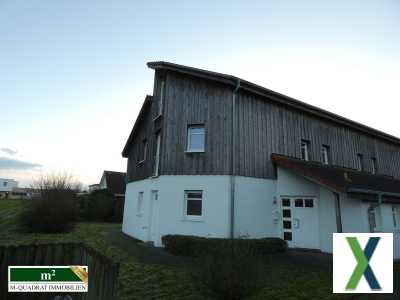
column 93, row 187
column 114, row 182
column 214, row 155
column 6, row 187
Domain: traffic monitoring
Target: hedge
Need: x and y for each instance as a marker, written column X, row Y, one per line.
column 188, row 245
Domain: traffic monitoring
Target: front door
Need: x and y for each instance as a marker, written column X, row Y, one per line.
column 300, row 222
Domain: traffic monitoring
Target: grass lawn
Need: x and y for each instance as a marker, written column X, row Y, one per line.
column 138, row 280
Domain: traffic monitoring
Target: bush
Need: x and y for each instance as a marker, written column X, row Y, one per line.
column 55, row 209
column 100, row 206
column 232, row 269
column 187, row 245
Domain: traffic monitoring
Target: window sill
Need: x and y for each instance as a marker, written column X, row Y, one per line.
column 157, row 117
column 194, row 151
column 140, row 162
column 189, row 219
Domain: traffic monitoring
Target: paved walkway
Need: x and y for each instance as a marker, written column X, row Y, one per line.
column 142, row 252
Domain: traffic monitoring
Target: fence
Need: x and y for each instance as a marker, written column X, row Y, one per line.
column 102, row 271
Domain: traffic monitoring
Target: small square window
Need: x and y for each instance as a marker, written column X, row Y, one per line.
column 287, row 224
column 309, row 203
column 195, row 138
column 285, row 202
column 298, row 202
column 287, row 236
column 286, row 213
column 194, row 204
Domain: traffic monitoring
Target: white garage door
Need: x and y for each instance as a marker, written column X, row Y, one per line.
column 300, row 222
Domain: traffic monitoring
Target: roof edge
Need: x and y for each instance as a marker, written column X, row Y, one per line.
column 274, row 96
column 145, row 104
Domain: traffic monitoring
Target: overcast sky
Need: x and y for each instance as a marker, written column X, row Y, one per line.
column 73, row 74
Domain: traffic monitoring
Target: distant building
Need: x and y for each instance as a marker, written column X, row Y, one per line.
column 94, row 187
column 114, row 182
column 6, row 187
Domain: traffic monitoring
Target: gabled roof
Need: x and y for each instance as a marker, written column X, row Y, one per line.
column 115, row 181
column 273, row 96
column 340, row 179
column 146, row 104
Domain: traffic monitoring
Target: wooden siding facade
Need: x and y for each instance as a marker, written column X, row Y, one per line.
column 261, row 127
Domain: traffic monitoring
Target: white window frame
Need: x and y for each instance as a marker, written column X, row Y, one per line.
column 360, row 162
column 305, row 145
column 373, row 164
column 396, row 216
column 186, row 198
column 325, row 154
column 144, row 151
column 189, row 137
column 157, row 155
column 139, row 207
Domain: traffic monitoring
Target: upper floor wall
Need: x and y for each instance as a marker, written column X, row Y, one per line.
column 260, row 127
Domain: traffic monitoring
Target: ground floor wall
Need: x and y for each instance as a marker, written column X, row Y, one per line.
column 157, row 206
column 149, row 219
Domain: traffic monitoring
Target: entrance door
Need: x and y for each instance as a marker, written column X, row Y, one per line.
column 153, row 233
column 300, row 222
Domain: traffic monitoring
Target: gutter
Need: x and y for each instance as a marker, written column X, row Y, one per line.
column 233, row 158
column 373, row 192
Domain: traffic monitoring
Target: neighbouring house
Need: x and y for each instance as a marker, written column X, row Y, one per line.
column 215, row 155
column 6, row 187
column 114, row 182
column 93, row 187
column 23, row 193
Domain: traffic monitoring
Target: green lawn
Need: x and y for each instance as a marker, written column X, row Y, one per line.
column 148, row 281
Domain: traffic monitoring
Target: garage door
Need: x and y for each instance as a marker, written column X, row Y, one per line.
column 300, row 222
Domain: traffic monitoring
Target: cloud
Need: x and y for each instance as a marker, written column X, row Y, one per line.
column 15, row 164
column 8, row 151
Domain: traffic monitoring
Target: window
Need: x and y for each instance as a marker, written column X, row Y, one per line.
column 193, row 204
column 195, row 138
column 325, row 155
column 394, row 216
column 360, row 166
column 285, row 202
column 287, row 236
column 308, row 203
column 157, row 155
column 305, row 147
column 373, row 165
column 286, row 213
column 298, row 202
column 371, row 219
column 140, row 204
column 143, row 151
column 162, row 96
column 5, row 183
column 287, row 224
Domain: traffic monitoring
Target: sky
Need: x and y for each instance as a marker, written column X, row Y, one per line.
column 73, row 73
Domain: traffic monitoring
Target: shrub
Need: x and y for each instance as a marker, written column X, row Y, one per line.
column 232, row 269
column 100, row 206
column 187, row 245
column 55, row 209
